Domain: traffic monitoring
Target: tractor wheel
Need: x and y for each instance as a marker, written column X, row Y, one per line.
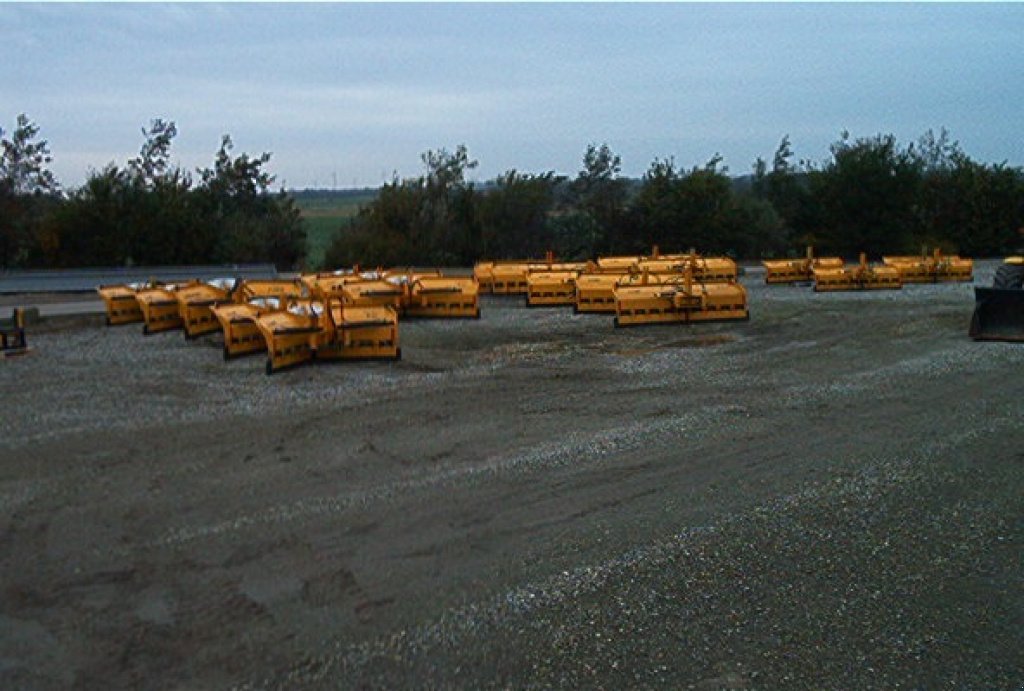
column 1009, row 276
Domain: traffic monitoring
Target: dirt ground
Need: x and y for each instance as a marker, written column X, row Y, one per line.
column 830, row 495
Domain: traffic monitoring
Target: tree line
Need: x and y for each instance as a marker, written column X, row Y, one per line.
column 871, row 194
column 146, row 213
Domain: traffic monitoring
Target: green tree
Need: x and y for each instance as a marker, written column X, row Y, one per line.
column 28, row 191
column 867, row 195
column 600, row 193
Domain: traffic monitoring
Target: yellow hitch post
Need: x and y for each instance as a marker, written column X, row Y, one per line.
column 120, row 302
column 797, row 270
column 934, row 268
column 195, row 303
column 859, row 277
column 160, row 307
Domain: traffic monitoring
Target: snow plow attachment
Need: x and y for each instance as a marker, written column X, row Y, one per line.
column 932, row 269
column 120, row 302
column 159, row 307
column 238, row 323
column 290, row 334
column 551, row 288
column 680, row 301
column 195, row 303
column 999, row 310
column 450, row 297
column 306, row 330
column 797, row 270
column 358, row 333
column 859, row 277
column 255, row 298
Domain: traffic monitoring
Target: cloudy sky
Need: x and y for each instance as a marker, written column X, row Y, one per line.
column 345, row 94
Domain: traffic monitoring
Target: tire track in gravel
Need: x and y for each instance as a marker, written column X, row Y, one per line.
column 576, row 448
column 599, row 446
column 874, row 477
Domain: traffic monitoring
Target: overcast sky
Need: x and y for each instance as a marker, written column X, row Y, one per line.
column 348, row 94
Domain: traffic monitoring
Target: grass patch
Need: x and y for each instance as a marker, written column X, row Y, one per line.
column 324, row 214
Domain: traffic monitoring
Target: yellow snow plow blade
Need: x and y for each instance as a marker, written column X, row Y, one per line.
column 798, row 270
column 453, row 297
column 307, row 330
column 358, row 333
column 547, row 288
column 271, row 288
column 680, row 301
column 290, row 335
column 509, row 278
column 121, row 303
column 595, row 292
column 195, row 301
column 859, row 277
column 371, row 293
column 238, row 323
column 935, row 268
column 159, row 307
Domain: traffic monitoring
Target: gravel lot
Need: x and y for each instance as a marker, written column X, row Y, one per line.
column 830, row 495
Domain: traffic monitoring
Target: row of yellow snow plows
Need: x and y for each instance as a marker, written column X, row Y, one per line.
column 342, row 315
column 654, row 289
column 832, row 274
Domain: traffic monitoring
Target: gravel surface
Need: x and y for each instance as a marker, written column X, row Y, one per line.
column 826, row 496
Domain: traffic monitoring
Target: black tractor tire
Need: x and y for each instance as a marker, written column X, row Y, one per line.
column 1009, row 276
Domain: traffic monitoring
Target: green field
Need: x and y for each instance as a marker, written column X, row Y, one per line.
column 325, row 213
